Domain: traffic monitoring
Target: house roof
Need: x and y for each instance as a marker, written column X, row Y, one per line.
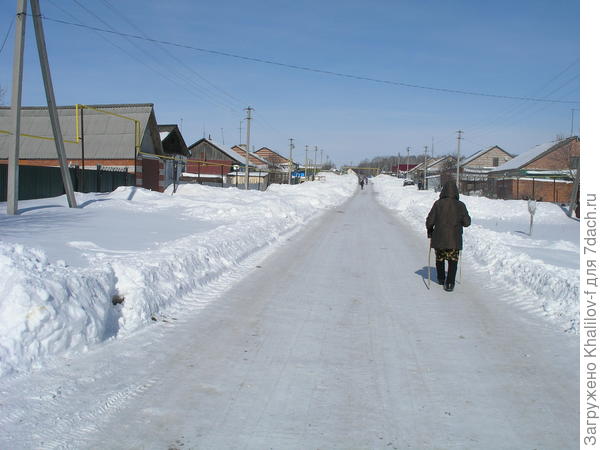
column 252, row 157
column 532, row 154
column 172, row 140
column 278, row 158
column 480, row 153
column 105, row 136
column 432, row 163
column 227, row 152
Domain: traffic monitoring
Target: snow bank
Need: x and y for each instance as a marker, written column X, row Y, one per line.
column 541, row 271
column 61, row 268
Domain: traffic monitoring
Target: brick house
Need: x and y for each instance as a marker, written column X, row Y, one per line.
column 208, row 160
column 474, row 169
column 254, row 160
column 436, row 169
column 114, row 136
column 545, row 173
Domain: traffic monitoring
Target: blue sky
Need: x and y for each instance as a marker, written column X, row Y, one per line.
column 510, row 48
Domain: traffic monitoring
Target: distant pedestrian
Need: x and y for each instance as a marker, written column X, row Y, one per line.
column 445, row 224
column 361, row 181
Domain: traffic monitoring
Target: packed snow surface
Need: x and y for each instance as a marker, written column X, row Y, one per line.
column 540, row 271
column 62, row 270
column 71, row 278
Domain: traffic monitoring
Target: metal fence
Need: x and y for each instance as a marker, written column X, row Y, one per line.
column 43, row 182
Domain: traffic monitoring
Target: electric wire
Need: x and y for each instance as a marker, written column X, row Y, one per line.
column 233, row 102
column 310, row 69
column 152, row 57
column 517, row 109
column 7, row 34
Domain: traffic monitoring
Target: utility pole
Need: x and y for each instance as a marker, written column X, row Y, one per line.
column 398, row 167
column 13, row 157
column 290, row 161
column 321, row 159
column 407, row 161
column 572, row 113
column 425, row 173
column 36, row 15
column 315, row 171
column 241, row 121
column 306, row 163
column 12, row 191
column 248, row 118
column 460, row 132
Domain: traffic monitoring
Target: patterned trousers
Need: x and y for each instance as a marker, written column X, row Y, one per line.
column 442, row 254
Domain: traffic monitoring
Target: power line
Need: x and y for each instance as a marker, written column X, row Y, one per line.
column 310, row 69
column 7, row 33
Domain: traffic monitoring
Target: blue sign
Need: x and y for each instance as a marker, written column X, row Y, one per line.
column 297, row 174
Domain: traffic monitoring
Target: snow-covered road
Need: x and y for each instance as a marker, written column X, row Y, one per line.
column 332, row 341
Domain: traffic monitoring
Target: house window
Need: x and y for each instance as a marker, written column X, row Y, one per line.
column 574, row 162
column 495, row 162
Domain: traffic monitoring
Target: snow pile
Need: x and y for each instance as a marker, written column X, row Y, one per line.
column 541, row 270
column 70, row 278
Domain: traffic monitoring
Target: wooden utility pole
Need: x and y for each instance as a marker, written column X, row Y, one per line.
column 306, row 163
column 248, row 118
column 425, row 173
column 315, row 169
column 407, row 161
column 458, row 160
column 290, row 162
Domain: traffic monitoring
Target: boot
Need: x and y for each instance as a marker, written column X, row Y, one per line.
column 441, row 271
column 449, row 285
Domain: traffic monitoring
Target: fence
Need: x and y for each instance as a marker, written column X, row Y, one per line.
column 43, row 182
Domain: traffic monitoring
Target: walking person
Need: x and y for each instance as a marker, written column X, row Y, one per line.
column 445, row 224
column 361, row 181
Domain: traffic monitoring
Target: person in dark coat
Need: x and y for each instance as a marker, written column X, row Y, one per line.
column 445, row 224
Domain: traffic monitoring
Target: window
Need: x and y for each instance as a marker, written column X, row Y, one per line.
column 574, row 162
column 495, row 162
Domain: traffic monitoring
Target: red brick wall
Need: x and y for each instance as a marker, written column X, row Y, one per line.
column 556, row 160
column 546, row 191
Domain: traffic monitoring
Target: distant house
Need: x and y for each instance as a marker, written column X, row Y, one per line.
column 207, row 158
column 436, row 170
column 254, row 160
column 545, row 172
column 274, row 158
column 278, row 165
column 121, row 136
column 175, row 148
column 474, row 169
column 401, row 169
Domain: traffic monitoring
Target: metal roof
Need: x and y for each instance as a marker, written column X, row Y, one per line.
column 532, row 154
column 228, row 152
column 105, row 136
column 251, row 156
